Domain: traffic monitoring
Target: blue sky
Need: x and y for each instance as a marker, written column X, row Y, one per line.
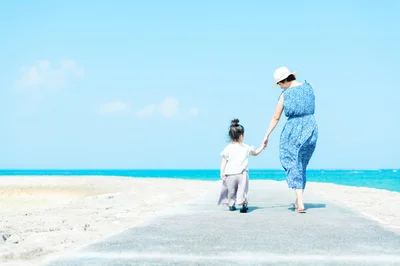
column 154, row 84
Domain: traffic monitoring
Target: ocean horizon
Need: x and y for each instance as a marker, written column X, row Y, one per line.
column 388, row 179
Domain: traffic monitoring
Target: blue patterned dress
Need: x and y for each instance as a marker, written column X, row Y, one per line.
column 299, row 135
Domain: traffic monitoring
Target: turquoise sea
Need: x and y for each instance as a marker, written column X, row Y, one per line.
column 388, row 179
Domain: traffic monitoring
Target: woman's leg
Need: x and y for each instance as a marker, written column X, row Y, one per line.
column 299, row 199
column 305, row 154
column 296, row 203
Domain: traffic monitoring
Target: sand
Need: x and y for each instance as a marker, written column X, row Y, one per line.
column 42, row 216
column 379, row 205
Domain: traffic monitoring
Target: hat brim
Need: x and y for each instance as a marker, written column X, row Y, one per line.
column 294, row 73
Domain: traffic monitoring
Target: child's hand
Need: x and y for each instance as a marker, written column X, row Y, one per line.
column 258, row 151
column 223, row 176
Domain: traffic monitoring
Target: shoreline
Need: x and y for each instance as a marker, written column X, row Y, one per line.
column 43, row 216
column 358, row 180
column 192, row 179
column 352, row 186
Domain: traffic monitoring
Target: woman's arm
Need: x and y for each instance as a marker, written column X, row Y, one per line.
column 274, row 120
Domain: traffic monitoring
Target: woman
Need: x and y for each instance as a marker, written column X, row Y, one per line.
column 300, row 134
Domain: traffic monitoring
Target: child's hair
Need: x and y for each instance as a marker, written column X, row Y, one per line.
column 235, row 130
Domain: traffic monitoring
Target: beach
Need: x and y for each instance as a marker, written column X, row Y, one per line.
column 42, row 216
column 45, row 215
column 379, row 205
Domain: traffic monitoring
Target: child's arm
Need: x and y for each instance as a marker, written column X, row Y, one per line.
column 257, row 152
column 222, row 168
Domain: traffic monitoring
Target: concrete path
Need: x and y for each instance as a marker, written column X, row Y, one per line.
column 202, row 233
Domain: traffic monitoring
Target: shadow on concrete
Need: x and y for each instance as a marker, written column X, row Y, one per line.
column 314, row 205
column 254, row 208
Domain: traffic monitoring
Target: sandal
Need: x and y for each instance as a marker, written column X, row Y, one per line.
column 301, row 210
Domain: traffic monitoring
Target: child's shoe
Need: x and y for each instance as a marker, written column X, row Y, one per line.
column 244, row 208
column 232, row 208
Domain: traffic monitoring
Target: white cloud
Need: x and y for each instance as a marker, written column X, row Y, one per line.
column 169, row 107
column 146, row 111
column 114, row 107
column 44, row 75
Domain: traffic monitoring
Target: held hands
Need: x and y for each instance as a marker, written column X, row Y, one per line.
column 264, row 143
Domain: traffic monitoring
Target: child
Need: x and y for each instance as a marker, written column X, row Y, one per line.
column 234, row 169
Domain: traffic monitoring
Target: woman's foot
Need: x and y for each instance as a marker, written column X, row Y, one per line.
column 301, row 210
column 299, row 201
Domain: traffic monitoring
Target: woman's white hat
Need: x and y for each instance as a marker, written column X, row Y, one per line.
column 281, row 74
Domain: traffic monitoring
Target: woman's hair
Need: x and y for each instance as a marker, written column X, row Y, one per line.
column 235, row 130
column 288, row 79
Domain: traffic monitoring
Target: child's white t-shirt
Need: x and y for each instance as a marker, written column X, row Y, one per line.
column 237, row 155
